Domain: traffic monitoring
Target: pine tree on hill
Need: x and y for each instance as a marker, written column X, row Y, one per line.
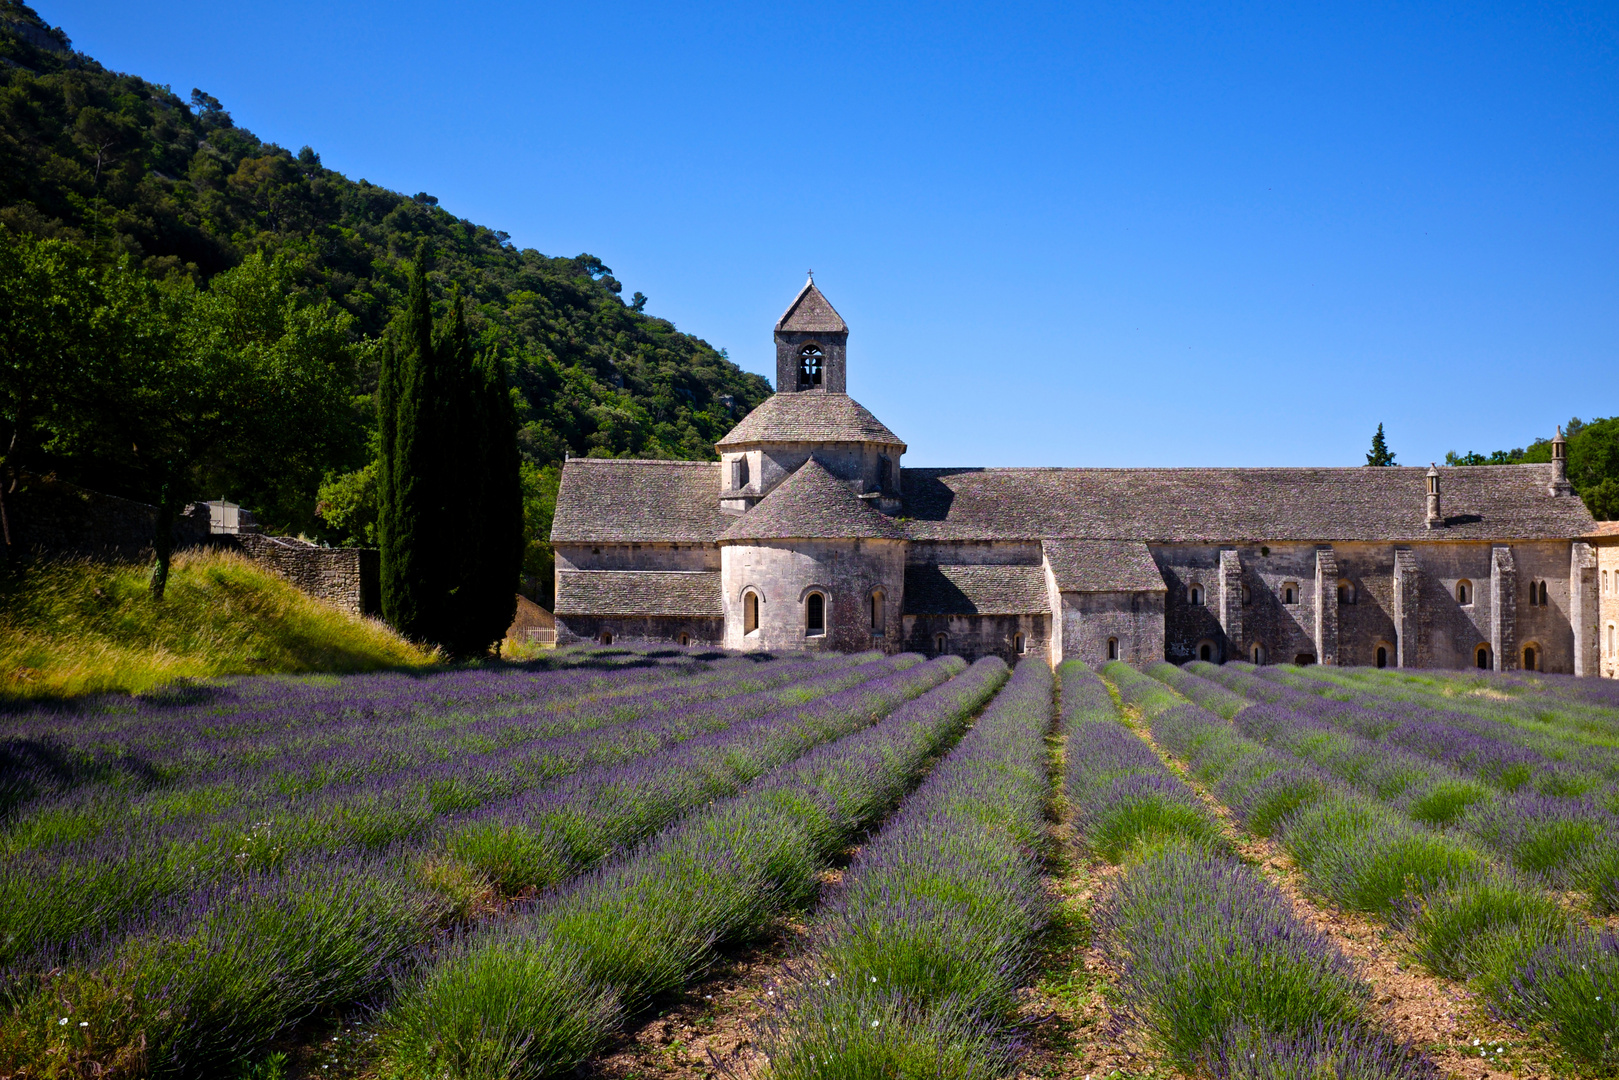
column 1380, row 454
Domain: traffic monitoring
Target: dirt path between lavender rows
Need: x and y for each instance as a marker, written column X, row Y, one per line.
column 1441, row 1016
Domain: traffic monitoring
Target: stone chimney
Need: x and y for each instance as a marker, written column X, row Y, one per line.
column 1560, row 484
column 1436, row 520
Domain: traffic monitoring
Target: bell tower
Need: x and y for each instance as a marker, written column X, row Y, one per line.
column 811, row 345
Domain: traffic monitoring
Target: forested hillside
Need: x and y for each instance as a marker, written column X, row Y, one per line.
column 113, row 170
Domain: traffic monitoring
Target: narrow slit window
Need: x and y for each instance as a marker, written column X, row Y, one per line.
column 878, row 620
column 1196, row 596
column 750, row 613
column 941, row 644
column 1464, row 592
column 1112, row 648
column 1018, row 644
column 1382, row 656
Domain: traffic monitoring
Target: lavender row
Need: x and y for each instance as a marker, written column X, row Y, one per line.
column 1572, row 843
column 360, row 790
column 538, row 996
column 1490, row 750
column 1212, row 961
column 1568, row 836
column 1556, row 761
column 919, row 954
column 1536, row 965
column 299, row 754
column 1534, row 700
column 1123, row 797
column 47, row 900
column 199, row 1015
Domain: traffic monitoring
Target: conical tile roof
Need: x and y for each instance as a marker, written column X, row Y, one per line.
column 812, row 504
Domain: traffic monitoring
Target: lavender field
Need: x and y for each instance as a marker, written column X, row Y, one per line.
column 507, row 872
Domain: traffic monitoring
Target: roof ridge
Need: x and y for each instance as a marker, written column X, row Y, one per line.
column 638, row 461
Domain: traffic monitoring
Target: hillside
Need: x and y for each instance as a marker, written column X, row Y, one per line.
column 75, row 628
column 130, row 168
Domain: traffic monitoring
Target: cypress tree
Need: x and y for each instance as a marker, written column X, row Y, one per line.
column 410, row 491
column 501, row 560
column 451, row 510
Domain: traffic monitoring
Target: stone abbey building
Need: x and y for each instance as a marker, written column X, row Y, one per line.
column 808, row 533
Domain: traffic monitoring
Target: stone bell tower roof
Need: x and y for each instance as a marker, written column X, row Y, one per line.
column 810, row 418
column 811, row 313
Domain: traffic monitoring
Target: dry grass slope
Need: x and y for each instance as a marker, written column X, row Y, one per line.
column 75, row 628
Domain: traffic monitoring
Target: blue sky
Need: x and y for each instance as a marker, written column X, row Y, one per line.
column 1139, row 234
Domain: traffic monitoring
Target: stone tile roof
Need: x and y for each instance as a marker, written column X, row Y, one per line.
column 1103, row 566
column 639, row 592
column 811, row 313
column 975, row 590
column 1603, row 530
column 812, row 504
column 612, row 500
column 1482, row 502
column 810, row 416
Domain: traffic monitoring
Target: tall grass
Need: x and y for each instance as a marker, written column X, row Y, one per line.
column 83, row 627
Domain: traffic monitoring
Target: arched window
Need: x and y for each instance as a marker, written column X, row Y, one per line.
column 1542, row 594
column 1194, row 595
column 1382, row 656
column 1612, row 644
column 1290, row 592
column 1346, row 591
column 606, row 638
column 1259, row 654
column 685, row 639
column 1481, row 656
column 1112, row 648
column 810, row 363
column 1464, row 592
column 1205, row 651
column 878, row 612
column 750, row 612
column 814, row 615
column 1019, row 644
column 1304, row 659
column 1604, row 583
column 1534, row 592
column 941, row 644
column 1531, row 656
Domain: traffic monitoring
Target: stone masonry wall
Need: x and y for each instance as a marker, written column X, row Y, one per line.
column 973, row 636
column 349, row 578
column 652, row 629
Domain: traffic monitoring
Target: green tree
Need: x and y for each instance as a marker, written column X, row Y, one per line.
column 410, row 502
column 450, row 501
column 1380, row 454
column 252, row 396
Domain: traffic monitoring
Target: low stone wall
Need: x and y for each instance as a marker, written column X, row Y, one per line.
column 350, row 578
